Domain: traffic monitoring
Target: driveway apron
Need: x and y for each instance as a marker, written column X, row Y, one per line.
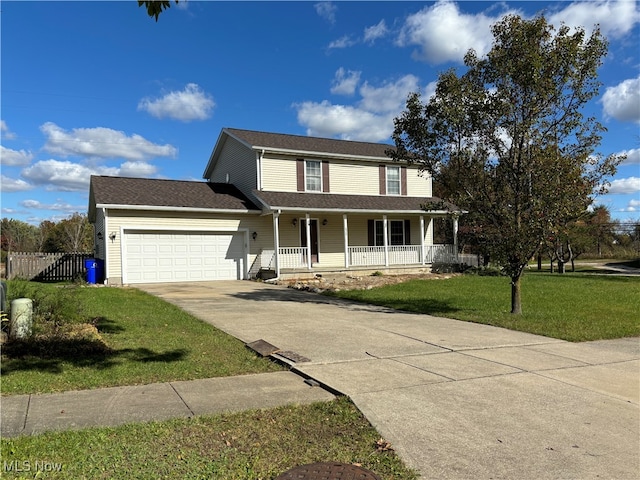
column 455, row 399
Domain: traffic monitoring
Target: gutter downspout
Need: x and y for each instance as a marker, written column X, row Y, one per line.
column 106, row 246
column 259, row 157
column 276, row 242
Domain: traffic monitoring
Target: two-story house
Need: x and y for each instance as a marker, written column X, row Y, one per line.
column 276, row 203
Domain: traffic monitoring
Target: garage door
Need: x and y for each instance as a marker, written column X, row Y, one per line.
column 182, row 257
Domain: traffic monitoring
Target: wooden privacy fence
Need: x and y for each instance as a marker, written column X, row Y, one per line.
column 46, row 267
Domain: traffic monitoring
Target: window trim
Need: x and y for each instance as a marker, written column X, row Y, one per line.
column 319, row 175
column 388, row 181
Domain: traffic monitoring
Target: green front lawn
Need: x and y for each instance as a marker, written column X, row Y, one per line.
column 248, row 445
column 572, row 307
column 140, row 339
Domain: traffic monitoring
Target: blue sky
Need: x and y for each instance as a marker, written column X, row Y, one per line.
column 101, row 88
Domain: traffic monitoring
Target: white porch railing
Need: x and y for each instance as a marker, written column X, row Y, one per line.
column 359, row 256
column 401, row 255
column 292, row 257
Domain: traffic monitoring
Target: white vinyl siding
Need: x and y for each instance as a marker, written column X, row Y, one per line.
column 360, row 178
column 238, row 164
column 279, row 174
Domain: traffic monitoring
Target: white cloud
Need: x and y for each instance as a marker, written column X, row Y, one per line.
column 5, row 132
column 622, row 102
column 371, row 34
column 443, row 33
column 65, row 176
column 14, row 158
column 633, row 156
column 349, row 123
column 137, row 169
column 625, row 185
column 192, row 103
column 615, row 18
column 342, row 42
column 390, row 97
column 326, row 10
column 371, row 119
column 13, row 185
column 345, row 82
column 632, row 206
column 59, row 206
column 101, row 142
column 68, row 176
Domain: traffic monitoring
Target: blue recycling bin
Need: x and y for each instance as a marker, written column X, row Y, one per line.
column 92, row 269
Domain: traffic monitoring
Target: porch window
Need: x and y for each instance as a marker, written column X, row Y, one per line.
column 397, row 230
column 313, row 176
column 393, row 180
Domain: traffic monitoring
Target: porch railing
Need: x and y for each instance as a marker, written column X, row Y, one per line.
column 292, row 257
column 365, row 256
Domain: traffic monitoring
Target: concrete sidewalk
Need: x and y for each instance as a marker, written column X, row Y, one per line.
column 33, row 414
column 455, row 399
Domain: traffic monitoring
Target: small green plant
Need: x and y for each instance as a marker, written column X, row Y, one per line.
column 377, row 273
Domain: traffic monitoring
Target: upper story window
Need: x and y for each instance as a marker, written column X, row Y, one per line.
column 313, row 176
column 393, row 180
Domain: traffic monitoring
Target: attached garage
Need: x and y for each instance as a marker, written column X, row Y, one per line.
column 178, row 256
column 154, row 230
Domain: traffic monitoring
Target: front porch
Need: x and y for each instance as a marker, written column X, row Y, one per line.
column 394, row 245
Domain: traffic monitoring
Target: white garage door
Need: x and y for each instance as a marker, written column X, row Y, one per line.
column 183, row 257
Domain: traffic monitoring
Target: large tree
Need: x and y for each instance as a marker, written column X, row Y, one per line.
column 508, row 141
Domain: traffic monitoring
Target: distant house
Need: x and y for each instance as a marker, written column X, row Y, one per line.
column 273, row 205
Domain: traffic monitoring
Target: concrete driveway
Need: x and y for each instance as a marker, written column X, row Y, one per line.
column 455, row 399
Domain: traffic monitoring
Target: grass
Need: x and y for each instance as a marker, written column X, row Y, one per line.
column 258, row 444
column 137, row 339
column 572, row 307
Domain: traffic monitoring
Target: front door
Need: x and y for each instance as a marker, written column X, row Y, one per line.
column 313, row 232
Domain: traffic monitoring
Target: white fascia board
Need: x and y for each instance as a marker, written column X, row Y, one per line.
column 307, row 154
column 350, row 210
column 174, row 209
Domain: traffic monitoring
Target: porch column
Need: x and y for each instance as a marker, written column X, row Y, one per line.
column 276, row 241
column 345, row 229
column 455, row 238
column 422, row 235
column 307, row 224
column 385, row 242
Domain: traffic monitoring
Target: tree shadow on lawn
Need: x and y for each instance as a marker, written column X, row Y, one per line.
column 51, row 354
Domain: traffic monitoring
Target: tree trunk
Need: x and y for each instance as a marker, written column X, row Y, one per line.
column 516, row 303
column 539, row 262
column 560, row 266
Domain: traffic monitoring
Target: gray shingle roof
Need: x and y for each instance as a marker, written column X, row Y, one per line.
column 300, row 143
column 168, row 193
column 351, row 203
